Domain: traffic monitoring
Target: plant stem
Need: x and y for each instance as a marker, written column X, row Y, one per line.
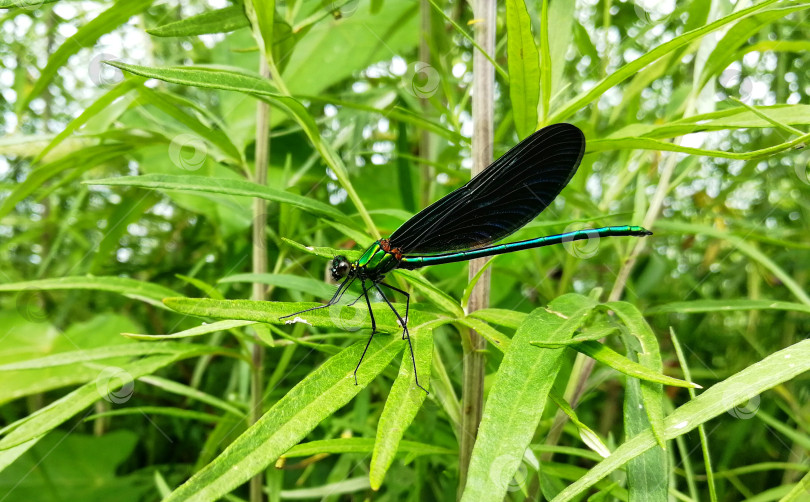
column 472, row 393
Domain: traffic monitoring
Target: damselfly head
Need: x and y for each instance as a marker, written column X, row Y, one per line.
column 340, row 267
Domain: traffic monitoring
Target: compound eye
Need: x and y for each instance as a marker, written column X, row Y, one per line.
column 340, row 268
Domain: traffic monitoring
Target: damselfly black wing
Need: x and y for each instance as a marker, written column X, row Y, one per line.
column 507, row 195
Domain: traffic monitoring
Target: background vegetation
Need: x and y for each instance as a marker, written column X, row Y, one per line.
column 132, row 134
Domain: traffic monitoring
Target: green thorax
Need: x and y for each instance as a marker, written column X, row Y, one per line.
column 376, row 260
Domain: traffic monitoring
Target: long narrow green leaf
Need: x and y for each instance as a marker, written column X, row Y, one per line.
column 131, row 288
column 524, row 67
column 225, row 186
column 618, row 362
column 204, row 329
column 518, row 397
column 701, row 306
column 319, row 395
column 213, row 21
column 361, row 445
column 652, row 394
column 404, row 401
column 110, row 352
column 286, row 281
column 777, row 368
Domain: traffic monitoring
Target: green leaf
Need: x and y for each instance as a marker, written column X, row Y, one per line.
column 225, row 186
column 213, row 21
column 618, row 362
column 286, row 281
column 518, row 397
column 652, row 394
column 131, row 288
column 524, row 67
column 361, row 445
column 204, row 329
column 157, row 410
column 502, row 317
column 87, row 35
column 700, row 306
column 192, row 393
column 404, row 401
column 646, row 479
column 320, row 394
column 777, row 368
column 99, row 353
column 492, row 335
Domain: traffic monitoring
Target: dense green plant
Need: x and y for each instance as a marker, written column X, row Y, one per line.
column 132, row 134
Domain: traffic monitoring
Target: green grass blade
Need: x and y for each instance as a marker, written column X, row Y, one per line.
column 286, row 281
column 319, row 395
column 518, row 397
column 524, row 67
column 777, row 368
column 647, row 479
column 652, row 394
column 492, row 335
column 404, row 401
column 361, row 445
column 226, row 186
column 110, row 352
column 701, row 306
column 622, row 364
column 204, row 329
column 131, row 288
column 213, row 21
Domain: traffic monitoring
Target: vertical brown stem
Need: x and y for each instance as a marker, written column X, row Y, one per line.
column 259, row 265
column 424, row 137
column 472, row 394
